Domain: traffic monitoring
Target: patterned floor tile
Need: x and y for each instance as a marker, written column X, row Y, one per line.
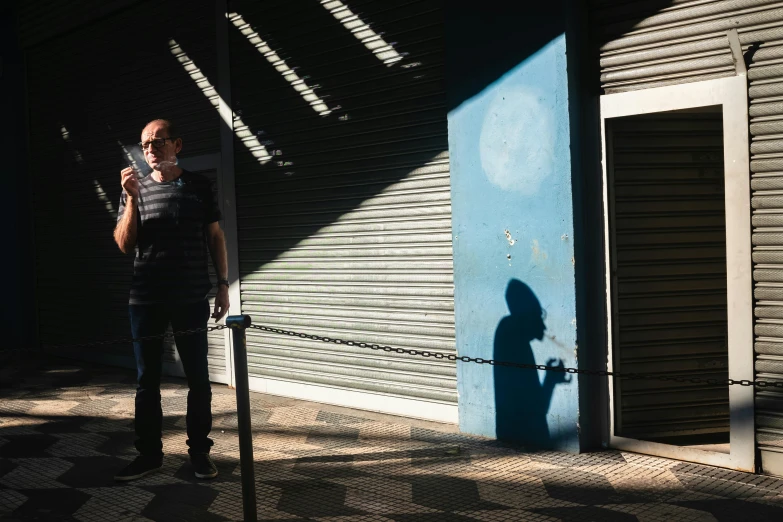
column 52, row 408
column 725, row 510
column 229, row 502
column 662, row 512
column 376, row 502
column 27, row 446
column 92, row 472
column 77, row 445
column 519, row 497
column 35, row 473
column 355, row 518
column 50, row 504
column 113, row 503
column 447, row 493
column 13, row 425
column 116, row 442
column 66, row 429
column 430, row 517
column 294, row 416
column 183, row 502
column 314, row 498
column 586, row 514
column 338, row 418
column 10, row 500
column 6, row 466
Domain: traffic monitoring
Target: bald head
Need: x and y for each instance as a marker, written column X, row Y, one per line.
column 163, row 125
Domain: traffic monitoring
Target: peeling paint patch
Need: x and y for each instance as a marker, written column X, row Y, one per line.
column 510, row 240
column 514, row 114
column 538, row 254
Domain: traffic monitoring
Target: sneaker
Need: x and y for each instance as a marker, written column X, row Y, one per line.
column 203, row 466
column 141, row 466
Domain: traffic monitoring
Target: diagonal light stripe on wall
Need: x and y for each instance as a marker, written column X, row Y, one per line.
column 135, row 157
column 102, row 197
column 67, row 137
column 381, row 49
column 241, row 130
column 299, row 85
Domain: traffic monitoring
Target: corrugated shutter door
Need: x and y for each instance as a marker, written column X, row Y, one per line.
column 343, row 193
column 40, row 20
column 670, row 253
column 766, row 129
column 649, row 44
column 666, row 42
column 90, row 93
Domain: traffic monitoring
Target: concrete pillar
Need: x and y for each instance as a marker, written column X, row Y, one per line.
column 510, row 141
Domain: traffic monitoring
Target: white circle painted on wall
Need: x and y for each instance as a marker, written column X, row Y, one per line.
column 517, row 141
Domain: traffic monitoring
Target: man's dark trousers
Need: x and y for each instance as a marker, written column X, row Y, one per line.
column 153, row 320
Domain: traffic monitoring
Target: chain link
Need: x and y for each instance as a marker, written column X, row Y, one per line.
column 139, row 339
column 448, row 357
column 508, row 364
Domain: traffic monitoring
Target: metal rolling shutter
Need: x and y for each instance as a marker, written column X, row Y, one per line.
column 651, row 44
column 345, row 218
column 89, row 94
column 686, row 42
column 670, row 261
column 40, row 20
column 766, row 128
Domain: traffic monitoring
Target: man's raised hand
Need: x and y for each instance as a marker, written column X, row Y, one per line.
column 130, row 182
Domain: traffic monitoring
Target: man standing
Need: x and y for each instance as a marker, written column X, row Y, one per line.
column 171, row 220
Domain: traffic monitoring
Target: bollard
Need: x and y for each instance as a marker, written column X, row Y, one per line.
column 238, row 325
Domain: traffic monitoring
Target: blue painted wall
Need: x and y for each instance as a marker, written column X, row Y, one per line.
column 513, row 226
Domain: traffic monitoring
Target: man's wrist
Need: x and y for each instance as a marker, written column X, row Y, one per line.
column 223, row 281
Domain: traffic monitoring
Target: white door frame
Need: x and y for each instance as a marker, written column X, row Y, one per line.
column 226, row 179
column 732, row 94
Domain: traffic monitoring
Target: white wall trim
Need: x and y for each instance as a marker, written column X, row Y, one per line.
column 772, row 462
column 226, row 173
column 361, row 400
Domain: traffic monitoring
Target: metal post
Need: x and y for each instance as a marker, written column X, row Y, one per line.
column 238, row 324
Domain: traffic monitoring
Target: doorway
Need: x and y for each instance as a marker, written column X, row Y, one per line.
column 679, row 295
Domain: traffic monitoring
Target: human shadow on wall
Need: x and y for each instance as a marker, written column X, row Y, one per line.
column 521, row 399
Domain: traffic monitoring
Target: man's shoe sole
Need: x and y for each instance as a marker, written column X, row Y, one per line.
column 127, row 478
column 209, row 476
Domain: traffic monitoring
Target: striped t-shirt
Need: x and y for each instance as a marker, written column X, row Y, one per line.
column 171, row 263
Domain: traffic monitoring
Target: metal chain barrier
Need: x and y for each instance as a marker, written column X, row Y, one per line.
column 139, row 339
column 492, row 362
column 448, row 357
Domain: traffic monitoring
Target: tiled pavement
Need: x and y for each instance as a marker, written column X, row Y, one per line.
column 66, row 427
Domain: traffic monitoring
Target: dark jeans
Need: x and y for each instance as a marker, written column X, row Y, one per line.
column 153, row 320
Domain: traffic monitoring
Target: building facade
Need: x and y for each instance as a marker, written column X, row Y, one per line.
column 591, row 185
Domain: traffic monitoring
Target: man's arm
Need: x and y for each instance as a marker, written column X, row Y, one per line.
column 125, row 232
column 216, row 242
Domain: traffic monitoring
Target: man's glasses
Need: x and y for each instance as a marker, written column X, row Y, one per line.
column 157, row 143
